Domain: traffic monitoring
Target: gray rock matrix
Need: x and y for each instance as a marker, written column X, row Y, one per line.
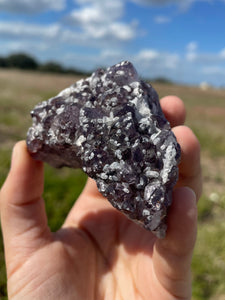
column 111, row 125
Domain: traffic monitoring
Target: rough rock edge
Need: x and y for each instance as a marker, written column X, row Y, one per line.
column 111, row 125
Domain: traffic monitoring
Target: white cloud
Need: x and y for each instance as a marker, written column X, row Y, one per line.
column 156, row 2
column 148, row 54
column 43, row 42
column 205, row 58
column 209, row 67
column 192, row 46
column 191, row 56
column 31, row 6
column 162, row 59
column 97, row 12
column 24, row 30
column 56, row 35
column 104, row 58
column 222, row 52
column 182, row 4
column 162, row 19
column 22, row 46
column 191, row 49
column 122, row 31
column 166, row 2
column 152, row 63
column 214, row 70
column 102, row 20
column 114, row 31
column 53, row 35
column 83, row 1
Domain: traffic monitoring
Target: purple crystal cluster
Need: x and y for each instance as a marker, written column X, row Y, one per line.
column 111, row 125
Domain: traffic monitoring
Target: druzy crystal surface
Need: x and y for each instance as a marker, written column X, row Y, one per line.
column 111, row 125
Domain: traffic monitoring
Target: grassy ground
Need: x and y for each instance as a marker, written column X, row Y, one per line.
column 20, row 91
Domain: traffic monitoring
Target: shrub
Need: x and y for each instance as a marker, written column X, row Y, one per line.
column 3, row 62
column 52, row 67
column 21, row 61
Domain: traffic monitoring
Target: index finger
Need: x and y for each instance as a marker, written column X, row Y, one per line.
column 190, row 165
column 174, row 110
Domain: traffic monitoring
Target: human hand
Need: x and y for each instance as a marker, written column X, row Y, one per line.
column 98, row 253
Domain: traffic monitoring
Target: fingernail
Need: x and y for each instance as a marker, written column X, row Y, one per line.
column 191, row 192
column 13, row 156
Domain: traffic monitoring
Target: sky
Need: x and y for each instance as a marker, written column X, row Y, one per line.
column 182, row 40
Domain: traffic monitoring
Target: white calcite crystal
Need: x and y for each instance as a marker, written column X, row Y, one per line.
column 111, row 125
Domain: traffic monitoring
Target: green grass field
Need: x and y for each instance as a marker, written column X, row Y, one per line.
column 20, row 91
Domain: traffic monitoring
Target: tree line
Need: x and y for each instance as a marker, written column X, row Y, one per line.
column 26, row 62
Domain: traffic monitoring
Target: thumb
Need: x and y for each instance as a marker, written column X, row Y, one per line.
column 173, row 255
column 22, row 209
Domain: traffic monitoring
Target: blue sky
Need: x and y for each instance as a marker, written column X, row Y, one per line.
column 183, row 40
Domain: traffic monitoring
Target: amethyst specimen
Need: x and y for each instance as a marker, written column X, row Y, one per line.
column 111, row 125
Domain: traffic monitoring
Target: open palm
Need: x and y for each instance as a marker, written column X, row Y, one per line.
column 98, row 253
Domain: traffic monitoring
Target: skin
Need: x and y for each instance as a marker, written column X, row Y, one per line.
column 98, row 253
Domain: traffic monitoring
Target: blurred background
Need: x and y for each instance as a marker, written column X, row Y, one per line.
column 179, row 46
